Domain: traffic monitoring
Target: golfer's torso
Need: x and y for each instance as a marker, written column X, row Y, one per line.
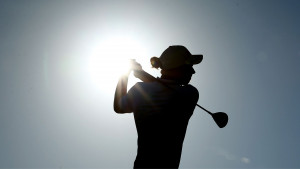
column 161, row 117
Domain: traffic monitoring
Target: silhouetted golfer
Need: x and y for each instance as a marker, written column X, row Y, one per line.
column 161, row 114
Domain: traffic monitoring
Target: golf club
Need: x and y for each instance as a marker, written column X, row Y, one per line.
column 220, row 118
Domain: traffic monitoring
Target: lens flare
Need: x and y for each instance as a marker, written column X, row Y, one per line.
column 111, row 59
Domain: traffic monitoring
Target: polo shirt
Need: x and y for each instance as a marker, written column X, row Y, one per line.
column 161, row 116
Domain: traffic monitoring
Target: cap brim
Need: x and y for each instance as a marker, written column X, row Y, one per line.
column 195, row 59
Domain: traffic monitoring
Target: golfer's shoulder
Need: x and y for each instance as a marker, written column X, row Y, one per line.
column 191, row 88
column 191, row 91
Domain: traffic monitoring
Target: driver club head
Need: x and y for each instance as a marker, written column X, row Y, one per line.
column 220, row 118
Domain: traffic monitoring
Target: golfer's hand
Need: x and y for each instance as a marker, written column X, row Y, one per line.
column 135, row 65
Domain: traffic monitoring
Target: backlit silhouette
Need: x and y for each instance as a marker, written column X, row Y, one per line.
column 161, row 108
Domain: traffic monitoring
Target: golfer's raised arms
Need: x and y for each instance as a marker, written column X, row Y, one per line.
column 121, row 90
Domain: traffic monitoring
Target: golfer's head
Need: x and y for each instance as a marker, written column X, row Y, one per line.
column 176, row 63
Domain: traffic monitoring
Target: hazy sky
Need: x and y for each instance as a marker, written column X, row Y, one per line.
column 57, row 62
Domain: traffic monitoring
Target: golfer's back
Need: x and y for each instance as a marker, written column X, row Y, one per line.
column 161, row 116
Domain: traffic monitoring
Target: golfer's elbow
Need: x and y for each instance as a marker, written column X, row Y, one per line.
column 121, row 110
column 117, row 107
column 118, row 110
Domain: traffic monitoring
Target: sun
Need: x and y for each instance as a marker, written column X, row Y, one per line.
column 111, row 59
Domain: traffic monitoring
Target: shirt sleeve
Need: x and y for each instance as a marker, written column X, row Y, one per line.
column 192, row 94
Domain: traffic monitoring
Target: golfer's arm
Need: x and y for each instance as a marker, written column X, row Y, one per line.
column 121, row 91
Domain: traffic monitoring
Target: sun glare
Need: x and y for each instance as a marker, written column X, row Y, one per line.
column 111, row 59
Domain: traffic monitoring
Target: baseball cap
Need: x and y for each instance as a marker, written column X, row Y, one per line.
column 175, row 56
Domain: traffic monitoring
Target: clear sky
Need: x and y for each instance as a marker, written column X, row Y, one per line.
column 57, row 76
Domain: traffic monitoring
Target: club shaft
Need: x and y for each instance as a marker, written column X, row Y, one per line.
column 204, row 109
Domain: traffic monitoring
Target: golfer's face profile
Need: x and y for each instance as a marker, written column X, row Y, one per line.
column 188, row 72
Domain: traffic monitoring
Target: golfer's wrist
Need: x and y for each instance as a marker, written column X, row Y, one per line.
column 125, row 76
column 127, row 73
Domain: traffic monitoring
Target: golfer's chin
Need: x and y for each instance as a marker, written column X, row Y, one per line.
column 186, row 80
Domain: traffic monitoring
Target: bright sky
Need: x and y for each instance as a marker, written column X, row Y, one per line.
column 60, row 61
